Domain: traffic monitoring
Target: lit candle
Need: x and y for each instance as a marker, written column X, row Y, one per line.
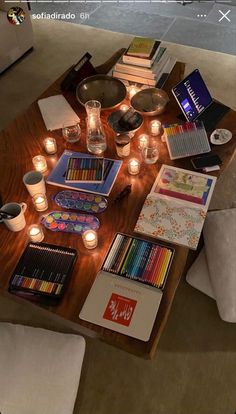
column 132, row 90
column 133, row 166
column 124, row 107
column 40, row 202
column 90, row 239
column 155, row 127
column 40, row 163
column 142, row 141
column 35, row 233
column 50, row 145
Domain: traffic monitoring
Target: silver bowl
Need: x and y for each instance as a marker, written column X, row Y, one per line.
column 151, row 101
column 109, row 91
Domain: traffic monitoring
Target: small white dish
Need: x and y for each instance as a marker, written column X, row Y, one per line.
column 220, row 136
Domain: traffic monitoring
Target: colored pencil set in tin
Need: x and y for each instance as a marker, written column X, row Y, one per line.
column 139, row 259
column 43, row 270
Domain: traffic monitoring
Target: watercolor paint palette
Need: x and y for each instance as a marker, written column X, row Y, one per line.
column 78, row 200
column 69, row 222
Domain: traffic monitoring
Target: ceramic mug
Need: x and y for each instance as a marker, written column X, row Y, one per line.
column 17, row 222
column 34, row 182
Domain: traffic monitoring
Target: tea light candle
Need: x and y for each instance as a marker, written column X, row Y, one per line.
column 90, row 239
column 40, row 202
column 35, row 233
column 124, row 107
column 155, row 127
column 142, row 141
column 132, row 90
column 133, row 166
column 50, row 145
column 40, row 163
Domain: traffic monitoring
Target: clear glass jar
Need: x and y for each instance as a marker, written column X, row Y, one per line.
column 122, row 145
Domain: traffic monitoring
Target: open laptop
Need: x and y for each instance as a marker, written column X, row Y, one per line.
column 196, row 102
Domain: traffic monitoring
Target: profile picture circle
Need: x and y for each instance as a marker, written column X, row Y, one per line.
column 16, row 15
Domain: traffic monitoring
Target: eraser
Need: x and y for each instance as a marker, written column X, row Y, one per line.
column 212, row 168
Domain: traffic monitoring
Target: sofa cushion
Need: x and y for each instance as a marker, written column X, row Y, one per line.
column 198, row 275
column 39, row 370
column 220, row 243
column 214, row 270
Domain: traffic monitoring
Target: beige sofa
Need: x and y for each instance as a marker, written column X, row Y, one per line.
column 15, row 40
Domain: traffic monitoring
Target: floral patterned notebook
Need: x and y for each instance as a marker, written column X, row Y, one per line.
column 176, row 208
column 171, row 221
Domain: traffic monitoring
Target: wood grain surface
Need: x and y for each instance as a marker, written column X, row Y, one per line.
column 23, row 139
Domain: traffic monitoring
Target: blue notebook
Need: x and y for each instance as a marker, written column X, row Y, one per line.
column 58, row 174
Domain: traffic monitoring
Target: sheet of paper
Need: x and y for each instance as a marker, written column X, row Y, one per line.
column 56, row 111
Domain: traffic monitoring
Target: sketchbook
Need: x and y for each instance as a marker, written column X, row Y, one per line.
column 176, row 207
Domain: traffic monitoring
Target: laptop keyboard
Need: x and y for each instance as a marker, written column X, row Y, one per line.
column 213, row 114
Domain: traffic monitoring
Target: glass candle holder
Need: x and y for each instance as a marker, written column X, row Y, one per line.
column 50, row 145
column 155, row 127
column 40, row 163
column 40, row 202
column 122, row 145
column 90, row 239
column 71, row 131
column 35, row 233
column 133, row 166
column 150, row 154
column 142, row 141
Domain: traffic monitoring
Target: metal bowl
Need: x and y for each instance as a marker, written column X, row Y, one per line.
column 109, row 91
column 133, row 125
column 151, row 101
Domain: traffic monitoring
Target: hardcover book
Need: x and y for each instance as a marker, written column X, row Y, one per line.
column 149, row 73
column 111, row 169
column 142, row 47
column 176, row 207
column 142, row 61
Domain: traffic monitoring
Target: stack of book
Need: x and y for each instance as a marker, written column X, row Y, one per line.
column 145, row 62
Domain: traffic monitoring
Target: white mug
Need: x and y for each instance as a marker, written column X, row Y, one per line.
column 17, row 222
column 34, row 182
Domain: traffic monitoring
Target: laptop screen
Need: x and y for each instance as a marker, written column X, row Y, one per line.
column 192, row 95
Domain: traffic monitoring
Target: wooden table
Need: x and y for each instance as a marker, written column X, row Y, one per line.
column 22, row 140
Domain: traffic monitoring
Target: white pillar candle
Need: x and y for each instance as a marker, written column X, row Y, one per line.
column 155, row 127
column 133, row 166
column 35, row 233
column 142, row 141
column 50, row 145
column 90, row 239
column 40, row 202
column 40, row 163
